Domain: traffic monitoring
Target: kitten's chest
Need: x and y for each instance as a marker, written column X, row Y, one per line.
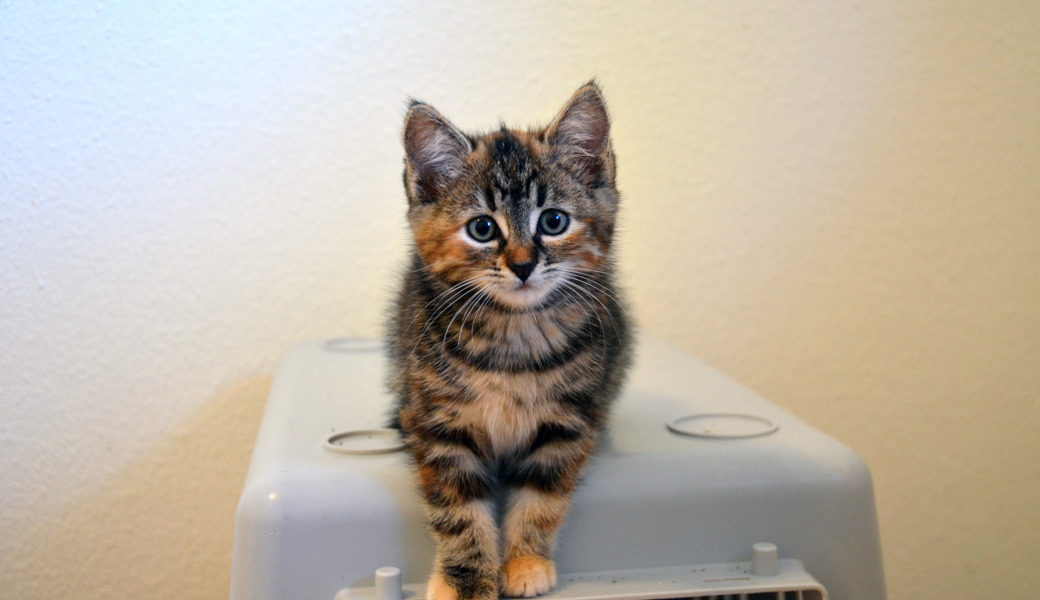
column 506, row 406
column 507, row 409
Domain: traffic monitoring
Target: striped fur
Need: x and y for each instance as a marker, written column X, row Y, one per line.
column 506, row 351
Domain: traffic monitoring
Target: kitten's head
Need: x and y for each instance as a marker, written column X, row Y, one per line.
column 516, row 213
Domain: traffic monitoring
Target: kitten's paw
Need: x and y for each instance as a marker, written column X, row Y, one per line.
column 438, row 589
column 475, row 588
column 527, row 576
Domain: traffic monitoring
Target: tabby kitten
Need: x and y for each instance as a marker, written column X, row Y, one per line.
column 508, row 342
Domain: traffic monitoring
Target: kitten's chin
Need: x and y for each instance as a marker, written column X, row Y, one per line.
column 524, row 297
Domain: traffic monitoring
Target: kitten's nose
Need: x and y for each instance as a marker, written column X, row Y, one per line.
column 522, row 270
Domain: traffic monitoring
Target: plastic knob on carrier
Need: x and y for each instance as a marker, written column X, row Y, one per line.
column 764, row 560
column 388, row 584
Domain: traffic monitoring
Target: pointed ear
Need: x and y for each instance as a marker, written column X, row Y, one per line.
column 435, row 151
column 580, row 136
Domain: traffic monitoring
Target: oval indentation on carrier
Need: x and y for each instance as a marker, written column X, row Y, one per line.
column 361, row 442
column 723, row 425
column 351, row 344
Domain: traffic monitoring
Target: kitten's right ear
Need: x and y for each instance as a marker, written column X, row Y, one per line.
column 580, row 136
column 435, row 151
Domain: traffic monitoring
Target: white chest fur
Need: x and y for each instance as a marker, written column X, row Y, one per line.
column 508, row 408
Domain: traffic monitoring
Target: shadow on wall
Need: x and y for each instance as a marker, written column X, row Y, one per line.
column 163, row 528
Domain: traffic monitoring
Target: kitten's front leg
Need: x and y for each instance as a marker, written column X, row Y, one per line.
column 461, row 515
column 466, row 566
column 541, row 489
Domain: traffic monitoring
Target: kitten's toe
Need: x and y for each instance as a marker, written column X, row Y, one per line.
column 438, row 589
column 527, row 576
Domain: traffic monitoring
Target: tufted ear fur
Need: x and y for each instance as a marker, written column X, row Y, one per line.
column 580, row 136
column 434, row 150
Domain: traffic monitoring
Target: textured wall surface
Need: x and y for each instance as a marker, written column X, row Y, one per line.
column 836, row 203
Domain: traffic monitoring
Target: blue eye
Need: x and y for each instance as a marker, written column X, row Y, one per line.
column 482, row 229
column 553, row 222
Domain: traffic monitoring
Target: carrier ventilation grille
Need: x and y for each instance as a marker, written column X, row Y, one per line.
column 788, row 595
column 765, row 577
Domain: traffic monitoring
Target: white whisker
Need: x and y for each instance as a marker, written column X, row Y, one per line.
column 584, row 293
column 577, row 276
column 474, row 299
column 444, row 301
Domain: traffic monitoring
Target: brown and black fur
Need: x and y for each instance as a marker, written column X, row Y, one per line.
column 507, row 353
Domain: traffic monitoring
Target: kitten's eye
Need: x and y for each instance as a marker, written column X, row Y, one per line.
column 553, row 222
column 482, row 229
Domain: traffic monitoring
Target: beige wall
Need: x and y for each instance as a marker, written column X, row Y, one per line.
column 838, row 204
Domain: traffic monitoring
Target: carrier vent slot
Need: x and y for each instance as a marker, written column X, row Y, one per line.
column 778, row 595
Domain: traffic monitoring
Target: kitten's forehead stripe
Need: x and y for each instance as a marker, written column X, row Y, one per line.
column 489, row 199
column 513, row 164
column 514, row 177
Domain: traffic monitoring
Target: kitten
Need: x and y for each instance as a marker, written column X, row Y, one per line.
column 508, row 342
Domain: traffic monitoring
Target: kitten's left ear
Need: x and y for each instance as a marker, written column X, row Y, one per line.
column 580, row 136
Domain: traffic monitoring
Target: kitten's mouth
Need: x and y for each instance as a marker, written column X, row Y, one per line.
column 525, row 294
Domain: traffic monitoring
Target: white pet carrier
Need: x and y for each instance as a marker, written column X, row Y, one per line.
column 701, row 489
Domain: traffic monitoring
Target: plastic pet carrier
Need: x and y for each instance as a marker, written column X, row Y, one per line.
column 700, row 489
